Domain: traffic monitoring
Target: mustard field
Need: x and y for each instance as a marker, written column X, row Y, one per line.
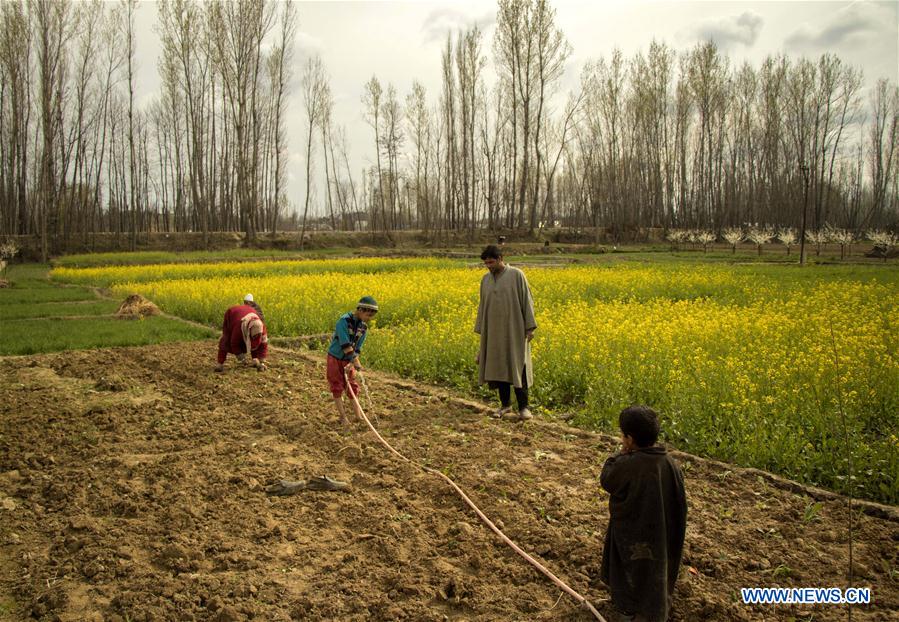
column 793, row 370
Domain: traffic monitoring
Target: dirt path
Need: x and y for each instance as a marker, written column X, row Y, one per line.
column 131, row 488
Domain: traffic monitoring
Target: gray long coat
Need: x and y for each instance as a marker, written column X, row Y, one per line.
column 505, row 313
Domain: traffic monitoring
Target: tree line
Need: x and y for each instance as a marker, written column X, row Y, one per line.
column 78, row 155
column 661, row 139
column 664, row 139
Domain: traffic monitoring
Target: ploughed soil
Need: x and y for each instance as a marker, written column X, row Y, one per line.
column 132, row 487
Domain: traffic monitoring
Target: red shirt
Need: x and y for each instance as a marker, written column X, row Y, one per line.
column 232, row 341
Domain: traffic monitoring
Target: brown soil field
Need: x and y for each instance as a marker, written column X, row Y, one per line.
column 132, row 487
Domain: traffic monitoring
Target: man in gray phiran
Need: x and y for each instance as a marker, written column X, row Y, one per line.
column 506, row 325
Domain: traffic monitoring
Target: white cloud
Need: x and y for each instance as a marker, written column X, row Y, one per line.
column 308, row 44
column 450, row 20
column 729, row 31
column 853, row 25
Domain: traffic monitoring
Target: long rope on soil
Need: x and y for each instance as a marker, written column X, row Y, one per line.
column 547, row 573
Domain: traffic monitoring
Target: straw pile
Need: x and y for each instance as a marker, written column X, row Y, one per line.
column 135, row 307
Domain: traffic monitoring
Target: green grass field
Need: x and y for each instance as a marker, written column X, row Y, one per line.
column 57, row 309
column 27, row 296
column 27, row 306
column 45, row 335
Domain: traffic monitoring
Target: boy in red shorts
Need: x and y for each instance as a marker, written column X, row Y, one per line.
column 343, row 353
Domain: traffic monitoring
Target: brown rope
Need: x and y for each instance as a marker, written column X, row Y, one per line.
column 547, row 573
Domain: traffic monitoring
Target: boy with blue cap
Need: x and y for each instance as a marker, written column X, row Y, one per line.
column 344, row 350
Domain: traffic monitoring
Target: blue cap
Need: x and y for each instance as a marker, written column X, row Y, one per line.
column 367, row 302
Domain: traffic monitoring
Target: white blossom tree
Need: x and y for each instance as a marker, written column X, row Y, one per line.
column 8, row 250
column 733, row 237
column 760, row 236
column 704, row 238
column 843, row 237
column 787, row 237
column 884, row 242
column 677, row 237
column 818, row 238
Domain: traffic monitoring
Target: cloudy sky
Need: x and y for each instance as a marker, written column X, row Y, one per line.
column 401, row 41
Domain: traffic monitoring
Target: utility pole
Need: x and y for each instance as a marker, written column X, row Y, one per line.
column 803, row 168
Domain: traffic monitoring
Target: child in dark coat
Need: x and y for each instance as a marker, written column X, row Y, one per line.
column 647, row 520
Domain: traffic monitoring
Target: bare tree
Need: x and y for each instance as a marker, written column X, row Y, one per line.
column 492, row 145
column 514, row 49
column 835, row 107
column 552, row 50
column 448, row 105
column 800, row 115
column 314, row 83
column 280, row 72
column 604, row 84
column 183, row 39
column 530, row 52
column 15, row 57
column 128, row 9
column 883, row 149
column 351, row 186
column 708, row 77
column 650, row 95
column 237, row 30
column 561, row 133
column 419, row 122
column 391, row 142
column 86, row 112
column 740, row 185
column 648, row 141
column 372, row 101
column 777, row 166
column 53, row 28
column 112, row 61
column 327, row 107
column 469, row 66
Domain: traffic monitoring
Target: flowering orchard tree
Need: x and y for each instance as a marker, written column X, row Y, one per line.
column 8, row 250
column 884, row 241
column 760, row 236
column 843, row 237
column 705, row 238
column 787, row 237
column 677, row 237
column 817, row 238
column 733, row 236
